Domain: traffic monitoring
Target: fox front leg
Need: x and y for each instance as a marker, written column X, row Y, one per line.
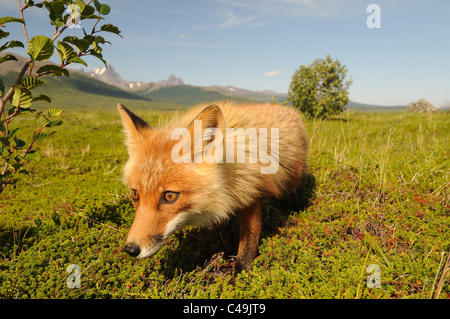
column 249, row 231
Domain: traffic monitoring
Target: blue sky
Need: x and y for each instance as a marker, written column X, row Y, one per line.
column 258, row 44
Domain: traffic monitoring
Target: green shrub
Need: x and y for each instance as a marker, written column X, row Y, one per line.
column 320, row 89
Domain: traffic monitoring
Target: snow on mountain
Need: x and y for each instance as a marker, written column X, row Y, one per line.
column 110, row 76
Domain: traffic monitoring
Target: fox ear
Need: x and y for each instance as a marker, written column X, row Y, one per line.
column 210, row 123
column 211, row 117
column 133, row 125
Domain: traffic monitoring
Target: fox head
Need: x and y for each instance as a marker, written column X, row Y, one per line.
column 168, row 195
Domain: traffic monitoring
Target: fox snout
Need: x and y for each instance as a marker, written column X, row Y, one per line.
column 132, row 249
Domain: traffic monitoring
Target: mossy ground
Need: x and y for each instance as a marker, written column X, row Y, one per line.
column 379, row 193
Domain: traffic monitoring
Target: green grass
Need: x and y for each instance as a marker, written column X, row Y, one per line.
column 379, row 194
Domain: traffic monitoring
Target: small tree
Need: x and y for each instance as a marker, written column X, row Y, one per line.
column 63, row 14
column 320, row 89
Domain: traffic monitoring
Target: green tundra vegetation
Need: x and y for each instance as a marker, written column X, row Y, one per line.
column 378, row 194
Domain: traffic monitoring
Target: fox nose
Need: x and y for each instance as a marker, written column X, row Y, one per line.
column 132, row 249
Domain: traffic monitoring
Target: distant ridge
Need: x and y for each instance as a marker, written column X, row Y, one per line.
column 175, row 90
column 185, row 94
column 264, row 96
column 108, row 83
column 78, row 90
column 373, row 108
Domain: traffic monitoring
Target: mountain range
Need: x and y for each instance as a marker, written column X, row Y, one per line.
column 175, row 90
column 110, row 76
column 104, row 87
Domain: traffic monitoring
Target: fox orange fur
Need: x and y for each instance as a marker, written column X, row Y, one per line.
column 169, row 195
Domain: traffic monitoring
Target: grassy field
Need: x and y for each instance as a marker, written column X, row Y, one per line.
column 379, row 194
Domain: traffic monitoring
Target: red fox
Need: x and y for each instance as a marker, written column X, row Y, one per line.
column 205, row 166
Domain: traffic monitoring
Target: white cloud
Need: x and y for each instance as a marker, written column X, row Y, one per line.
column 233, row 20
column 254, row 13
column 271, row 10
column 272, row 73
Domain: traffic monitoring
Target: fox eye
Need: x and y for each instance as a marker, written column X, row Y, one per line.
column 135, row 195
column 170, row 197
